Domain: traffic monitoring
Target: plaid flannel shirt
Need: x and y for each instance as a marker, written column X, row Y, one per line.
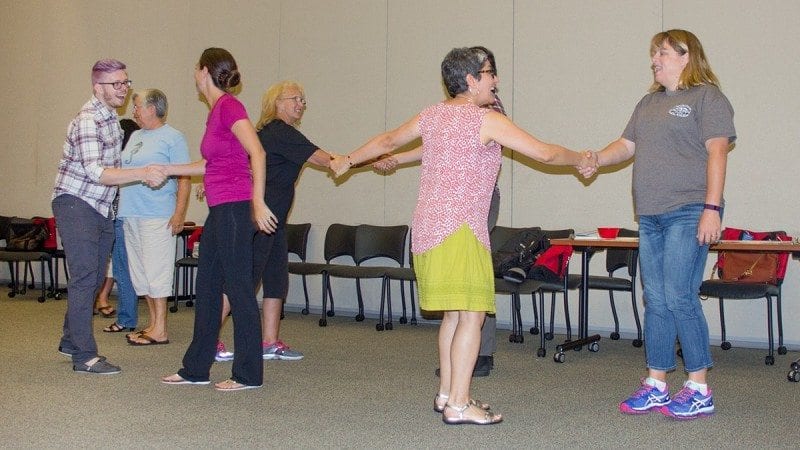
column 93, row 142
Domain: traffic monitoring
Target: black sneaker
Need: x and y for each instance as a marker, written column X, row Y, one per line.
column 100, row 367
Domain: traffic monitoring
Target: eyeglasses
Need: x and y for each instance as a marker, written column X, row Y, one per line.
column 491, row 72
column 297, row 99
column 118, row 84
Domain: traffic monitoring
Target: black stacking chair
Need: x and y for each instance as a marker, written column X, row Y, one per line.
column 339, row 243
column 404, row 274
column 562, row 286
column 617, row 259
column 373, row 241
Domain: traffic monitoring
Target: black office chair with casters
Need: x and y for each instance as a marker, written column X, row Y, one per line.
column 735, row 286
column 297, row 243
column 373, row 241
column 561, row 286
column 617, row 259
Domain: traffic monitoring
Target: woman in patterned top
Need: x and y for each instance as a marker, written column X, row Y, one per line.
column 461, row 143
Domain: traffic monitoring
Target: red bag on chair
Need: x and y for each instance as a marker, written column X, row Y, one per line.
column 752, row 267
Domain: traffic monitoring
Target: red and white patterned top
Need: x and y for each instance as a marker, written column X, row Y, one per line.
column 458, row 175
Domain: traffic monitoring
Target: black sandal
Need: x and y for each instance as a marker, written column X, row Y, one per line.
column 116, row 328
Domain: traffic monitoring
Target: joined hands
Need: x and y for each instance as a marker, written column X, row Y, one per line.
column 589, row 164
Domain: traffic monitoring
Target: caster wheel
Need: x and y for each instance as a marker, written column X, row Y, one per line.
column 359, row 317
column 323, row 323
column 189, row 303
column 614, row 336
column 379, row 327
column 548, row 336
column 541, row 353
column 534, row 330
column 403, row 320
column 413, row 321
column 794, row 376
column 40, row 299
column 57, row 296
column 173, row 309
column 781, row 350
column 637, row 343
column 769, row 360
column 389, row 326
column 304, row 311
column 559, row 357
column 330, row 313
column 594, row 347
column 725, row 345
column 795, row 366
column 11, row 295
column 511, row 338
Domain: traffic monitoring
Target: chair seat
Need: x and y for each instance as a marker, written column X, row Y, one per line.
column 401, row 273
column 12, row 255
column 605, row 283
column 343, row 271
column 306, row 268
column 186, row 262
column 737, row 289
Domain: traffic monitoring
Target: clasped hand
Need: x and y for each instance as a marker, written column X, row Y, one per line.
column 589, row 164
column 154, row 175
column 339, row 165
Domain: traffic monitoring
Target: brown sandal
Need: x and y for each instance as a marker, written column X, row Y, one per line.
column 116, row 328
column 107, row 311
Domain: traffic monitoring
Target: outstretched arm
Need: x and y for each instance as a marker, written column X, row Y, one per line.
column 497, row 127
column 614, row 153
column 379, row 145
column 390, row 161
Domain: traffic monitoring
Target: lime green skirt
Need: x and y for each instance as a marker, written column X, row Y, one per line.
column 456, row 275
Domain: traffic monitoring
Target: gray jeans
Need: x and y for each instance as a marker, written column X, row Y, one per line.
column 87, row 238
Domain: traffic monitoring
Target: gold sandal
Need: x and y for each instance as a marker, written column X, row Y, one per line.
column 489, row 418
column 472, row 402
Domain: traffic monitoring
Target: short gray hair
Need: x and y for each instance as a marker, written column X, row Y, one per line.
column 458, row 63
column 155, row 98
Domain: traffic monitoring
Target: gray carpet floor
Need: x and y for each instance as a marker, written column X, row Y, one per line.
column 359, row 388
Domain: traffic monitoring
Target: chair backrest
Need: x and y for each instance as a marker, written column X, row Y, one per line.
column 500, row 235
column 340, row 240
column 297, row 238
column 374, row 241
column 618, row 258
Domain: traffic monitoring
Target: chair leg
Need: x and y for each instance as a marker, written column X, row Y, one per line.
column 535, row 328
column 615, row 335
column 388, row 289
column 44, row 290
column 770, row 359
column 781, row 347
column 725, row 344
column 360, row 298
column 174, row 307
column 380, row 326
column 518, row 313
column 413, row 305
column 566, row 315
column 549, row 335
column 638, row 341
column 404, row 317
column 305, row 310
column 541, row 352
column 323, row 320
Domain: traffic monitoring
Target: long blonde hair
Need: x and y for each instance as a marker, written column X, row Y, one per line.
column 269, row 109
column 697, row 71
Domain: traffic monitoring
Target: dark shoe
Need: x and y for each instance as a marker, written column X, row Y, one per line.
column 483, row 366
column 117, row 328
column 99, row 367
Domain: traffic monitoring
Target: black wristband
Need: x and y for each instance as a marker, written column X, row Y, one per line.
column 712, row 207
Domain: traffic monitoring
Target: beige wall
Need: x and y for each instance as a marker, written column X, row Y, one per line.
column 571, row 72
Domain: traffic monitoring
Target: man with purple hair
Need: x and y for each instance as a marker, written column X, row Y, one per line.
column 85, row 187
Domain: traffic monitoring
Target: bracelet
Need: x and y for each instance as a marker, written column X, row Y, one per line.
column 711, row 207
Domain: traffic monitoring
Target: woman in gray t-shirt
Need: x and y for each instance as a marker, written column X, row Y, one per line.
column 680, row 134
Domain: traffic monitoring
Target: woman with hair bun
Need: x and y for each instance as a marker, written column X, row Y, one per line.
column 234, row 170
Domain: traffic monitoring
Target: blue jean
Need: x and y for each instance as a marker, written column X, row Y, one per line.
column 87, row 237
column 127, row 301
column 672, row 263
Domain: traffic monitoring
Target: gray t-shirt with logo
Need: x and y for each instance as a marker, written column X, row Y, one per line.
column 670, row 130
